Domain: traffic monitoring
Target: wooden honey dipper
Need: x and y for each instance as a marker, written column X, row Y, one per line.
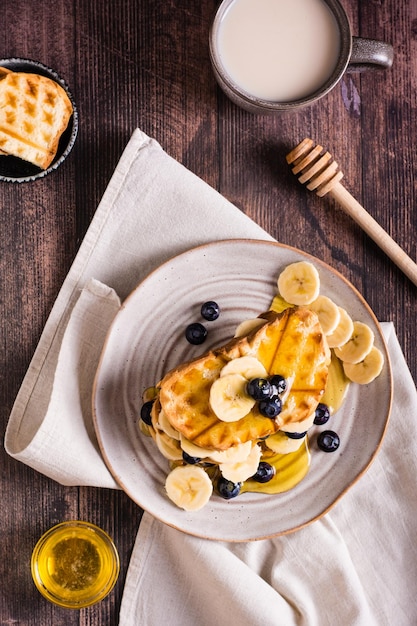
column 321, row 174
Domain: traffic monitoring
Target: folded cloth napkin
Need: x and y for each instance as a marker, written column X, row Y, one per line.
column 355, row 566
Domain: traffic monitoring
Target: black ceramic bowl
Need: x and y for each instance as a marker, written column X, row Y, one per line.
column 13, row 169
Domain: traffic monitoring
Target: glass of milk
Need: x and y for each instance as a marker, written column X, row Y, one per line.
column 279, row 55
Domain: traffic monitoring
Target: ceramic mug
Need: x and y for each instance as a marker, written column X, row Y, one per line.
column 270, row 56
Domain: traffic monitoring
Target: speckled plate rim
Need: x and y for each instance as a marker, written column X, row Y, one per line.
column 133, row 460
column 68, row 138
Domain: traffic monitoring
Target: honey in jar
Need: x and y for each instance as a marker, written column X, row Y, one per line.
column 75, row 564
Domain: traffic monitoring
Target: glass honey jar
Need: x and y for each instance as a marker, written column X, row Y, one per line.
column 75, row 564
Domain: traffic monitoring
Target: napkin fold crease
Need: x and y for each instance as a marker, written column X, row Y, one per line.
column 356, row 566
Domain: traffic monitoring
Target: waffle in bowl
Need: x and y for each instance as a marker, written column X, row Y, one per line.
column 34, row 112
column 290, row 344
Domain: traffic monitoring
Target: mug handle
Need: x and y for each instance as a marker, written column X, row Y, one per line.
column 370, row 54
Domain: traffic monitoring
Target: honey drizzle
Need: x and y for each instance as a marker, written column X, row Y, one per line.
column 290, row 469
column 337, row 385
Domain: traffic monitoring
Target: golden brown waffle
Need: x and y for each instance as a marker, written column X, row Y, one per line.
column 34, row 112
column 290, row 344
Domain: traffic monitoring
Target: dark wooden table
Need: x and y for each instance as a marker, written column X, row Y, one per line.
column 145, row 64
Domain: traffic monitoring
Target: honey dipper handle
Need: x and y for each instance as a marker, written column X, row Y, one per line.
column 375, row 231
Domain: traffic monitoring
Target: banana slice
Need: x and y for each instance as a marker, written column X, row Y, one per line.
column 228, row 397
column 281, row 444
column 247, row 326
column 189, row 487
column 301, row 427
column 342, row 332
column 327, row 312
column 150, row 393
column 239, row 472
column 234, row 454
column 193, row 450
column 144, row 428
column 367, row 370
column 155, row 416
column 168, row 447
column 299, row 283
column 247, row 366
column 165, row 425
column 358, row 345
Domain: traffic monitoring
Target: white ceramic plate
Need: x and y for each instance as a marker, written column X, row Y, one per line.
column 147, row 339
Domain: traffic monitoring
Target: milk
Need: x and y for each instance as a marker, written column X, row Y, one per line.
column 279, row 50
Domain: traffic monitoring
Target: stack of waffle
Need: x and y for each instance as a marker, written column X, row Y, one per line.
column 34, row 112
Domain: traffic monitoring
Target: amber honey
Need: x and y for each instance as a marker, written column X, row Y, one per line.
column 337, row 385
column 75, row 564
column 290, row 469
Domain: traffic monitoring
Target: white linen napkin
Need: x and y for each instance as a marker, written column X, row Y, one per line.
column 355, row 566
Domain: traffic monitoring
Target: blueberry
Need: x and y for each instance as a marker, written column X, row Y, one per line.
column 227, row 489
column 259, row 388
column 210, row 311
column 191, row 460
column 296, row 435
column 270, row 407
column 278, row 383
column 264, row 473
column 145, row 412
column 328, row 441
column 196, row 333
column 322, row 414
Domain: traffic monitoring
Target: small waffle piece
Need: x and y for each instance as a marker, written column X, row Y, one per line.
column 34, row 112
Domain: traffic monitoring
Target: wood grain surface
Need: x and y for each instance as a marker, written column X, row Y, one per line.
column 145, row 64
